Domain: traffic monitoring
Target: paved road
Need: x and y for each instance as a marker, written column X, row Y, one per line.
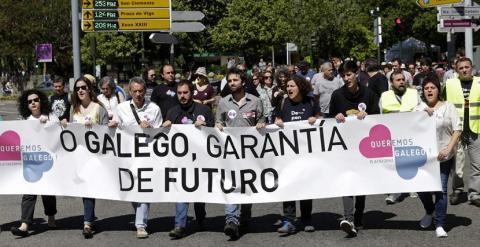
column 395, row 225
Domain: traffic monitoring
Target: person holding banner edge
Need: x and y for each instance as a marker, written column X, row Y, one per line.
column 297, row 107
column 188, row 112
column 238, row 109
column 87, row 110
column 33, row 105
column 449, row 127
column 399, row 98
column 147, row 115
column 352, row 99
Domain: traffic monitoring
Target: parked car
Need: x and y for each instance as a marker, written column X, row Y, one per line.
column 46, row 86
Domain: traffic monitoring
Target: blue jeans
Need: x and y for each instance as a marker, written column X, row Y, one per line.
column 88, row 211
column 232, row 213
column 441, row 202
column 181, row 213
column 141, row 214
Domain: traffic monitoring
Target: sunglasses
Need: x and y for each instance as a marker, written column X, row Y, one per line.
column 267, row 77
column 33, row 100
column 84, row 88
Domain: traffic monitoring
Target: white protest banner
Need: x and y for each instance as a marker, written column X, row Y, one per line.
column 380, row 154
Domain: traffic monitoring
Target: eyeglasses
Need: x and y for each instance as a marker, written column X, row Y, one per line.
column 33, row 100
column 84, row 88
column 267, row 77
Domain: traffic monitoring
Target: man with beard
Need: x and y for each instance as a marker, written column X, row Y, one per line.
column 188, row 112
column 238, row 109
column 146, row 115
column 464, row 93
column 164, row 94
column 399, row 98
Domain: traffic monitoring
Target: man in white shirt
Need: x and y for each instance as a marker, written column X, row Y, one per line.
column 147, row 115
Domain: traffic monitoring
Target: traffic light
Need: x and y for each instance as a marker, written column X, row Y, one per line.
column 398, row 28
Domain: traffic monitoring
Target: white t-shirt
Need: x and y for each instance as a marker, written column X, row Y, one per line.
column 110, row 103
column 52, row 119
column 447, row 121
column 149, row 112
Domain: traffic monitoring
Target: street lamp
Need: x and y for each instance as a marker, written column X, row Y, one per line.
column 377, row 30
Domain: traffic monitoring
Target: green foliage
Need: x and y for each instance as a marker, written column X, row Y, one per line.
column 253, row 26
column 111, row 47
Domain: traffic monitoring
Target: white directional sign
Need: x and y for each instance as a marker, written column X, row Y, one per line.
column 460, row 11
column 187, row 16
column 187, row 27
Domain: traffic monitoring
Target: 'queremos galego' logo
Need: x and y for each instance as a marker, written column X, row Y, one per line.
column 35, row 161
column 407, row 157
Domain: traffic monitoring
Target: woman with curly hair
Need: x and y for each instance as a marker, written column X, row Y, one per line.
column 297, row 106
column 33, row 105
column 87, row 110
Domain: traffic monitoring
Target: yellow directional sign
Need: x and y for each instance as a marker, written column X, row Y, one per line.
column 435, row 3
column 101, row 14
column 87, row 26
column 116, row 4
column 126, row 25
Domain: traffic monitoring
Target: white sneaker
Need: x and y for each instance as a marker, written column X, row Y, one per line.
column 440, row 232
column 348, row 227
column 426, row 221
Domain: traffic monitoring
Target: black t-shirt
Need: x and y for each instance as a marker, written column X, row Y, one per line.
column 189, row 114
column 378, row 84
column 418, row 79
column 165, row 96
column 60, row 106
column 349, row 104
column 466, row 86
column 297, row 111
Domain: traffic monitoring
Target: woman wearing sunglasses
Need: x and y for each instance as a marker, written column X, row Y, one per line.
column 33, row 105
column 87, row 110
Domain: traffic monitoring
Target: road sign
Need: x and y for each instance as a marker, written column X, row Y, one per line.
column 187, row 16
column 458, row 23
column 434, row 3
column 187, row 27
column 117, row 4
column 163, row 38
column 113, row 14
column 125, row 25
column 460, row 11
column 126, row 15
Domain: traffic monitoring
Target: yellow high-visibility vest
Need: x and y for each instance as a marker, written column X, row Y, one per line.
column 390, row 102
column 455, row 96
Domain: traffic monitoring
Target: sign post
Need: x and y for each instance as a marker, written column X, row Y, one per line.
column 126, row 15
column 435, row 3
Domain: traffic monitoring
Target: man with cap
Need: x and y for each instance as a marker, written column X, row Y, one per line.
column 304, row 71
